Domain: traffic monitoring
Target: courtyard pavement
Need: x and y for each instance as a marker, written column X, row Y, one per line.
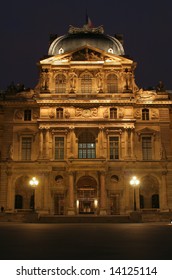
column 150, row 241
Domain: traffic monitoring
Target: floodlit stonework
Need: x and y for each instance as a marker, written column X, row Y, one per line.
column 84, row 131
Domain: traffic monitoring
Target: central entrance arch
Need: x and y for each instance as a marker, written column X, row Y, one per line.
column 87, row 197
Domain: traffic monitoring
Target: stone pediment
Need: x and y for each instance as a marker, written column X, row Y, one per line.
column 86, row 53
column 146, row 131
column 26, row 132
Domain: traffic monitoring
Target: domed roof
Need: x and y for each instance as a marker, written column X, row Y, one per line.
column 79, row 37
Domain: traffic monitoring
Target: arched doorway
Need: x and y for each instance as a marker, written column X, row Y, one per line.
column 87, row 198
column 18, row 201
column 149, row 193
column 24, row 194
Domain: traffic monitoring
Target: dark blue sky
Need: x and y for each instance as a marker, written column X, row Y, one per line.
column 25, row 27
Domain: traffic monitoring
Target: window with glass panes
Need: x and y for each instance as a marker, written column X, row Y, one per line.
column 145, row 114
column 114, row 147
column 27, row 115
column 26, row 148
column 147, row 147
column 86, row 83
column 86, row 146
column 113, row 113
column 112, row 83
column 60, row 83
column 59, row 148
column 59, row 113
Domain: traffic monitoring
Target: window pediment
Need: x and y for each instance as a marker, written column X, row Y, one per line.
column 26, row 132
column 147, row 131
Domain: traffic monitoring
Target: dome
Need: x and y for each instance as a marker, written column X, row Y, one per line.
column 79, row 37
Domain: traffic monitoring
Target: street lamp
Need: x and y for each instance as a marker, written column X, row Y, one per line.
column 134, row 182
column 33, row 182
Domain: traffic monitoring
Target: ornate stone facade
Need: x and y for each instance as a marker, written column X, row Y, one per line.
column 83, row 132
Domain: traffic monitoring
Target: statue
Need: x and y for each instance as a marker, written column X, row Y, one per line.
column 99, row 77
column 160, row 87
column 10, row 152
column 72, row 80
column 163, row 155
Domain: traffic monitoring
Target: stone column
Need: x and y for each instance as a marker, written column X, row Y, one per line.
column 40, row 143
column 132, row 143
column 126, row 142
column 101, row 139
column 71, row 136
column 47, row 143
column 103, row 196
column 163, row 192
column 127, row 206
column 71, row 208
column 44, row 187
column 10, row 192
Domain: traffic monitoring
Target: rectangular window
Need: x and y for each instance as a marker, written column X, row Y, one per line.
column 86, row 150
column 147, row 147
column 113, row 113
column 27, row 115
column 59, row 147
column 114, row 147
column 26, row 148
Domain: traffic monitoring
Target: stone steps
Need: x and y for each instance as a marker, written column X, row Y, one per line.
column 84, row 219
column 19, row 217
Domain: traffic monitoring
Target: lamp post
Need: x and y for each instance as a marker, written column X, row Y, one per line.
column 33, row 182
column 134, row 182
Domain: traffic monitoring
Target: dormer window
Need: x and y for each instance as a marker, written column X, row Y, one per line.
column 110, row 50
column 61, row 50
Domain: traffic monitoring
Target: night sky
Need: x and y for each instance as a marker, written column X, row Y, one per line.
column 25, row 27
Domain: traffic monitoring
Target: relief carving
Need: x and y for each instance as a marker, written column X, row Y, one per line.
column 52, row 114
column 137, row 114
column 121, row 113
column 105, row 114
column 19, row 114
column 79, row 112
column 155, row 114
column 67, row 114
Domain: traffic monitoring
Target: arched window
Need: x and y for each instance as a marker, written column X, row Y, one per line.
column 60, row 83
column 145, row 114
column 86, row 145
column 86, row 83
column 112, row 83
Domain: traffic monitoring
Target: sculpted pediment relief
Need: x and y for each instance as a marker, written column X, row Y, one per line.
column 87, row 54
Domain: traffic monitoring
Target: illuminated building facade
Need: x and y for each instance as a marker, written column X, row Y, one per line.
column 84, row 131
